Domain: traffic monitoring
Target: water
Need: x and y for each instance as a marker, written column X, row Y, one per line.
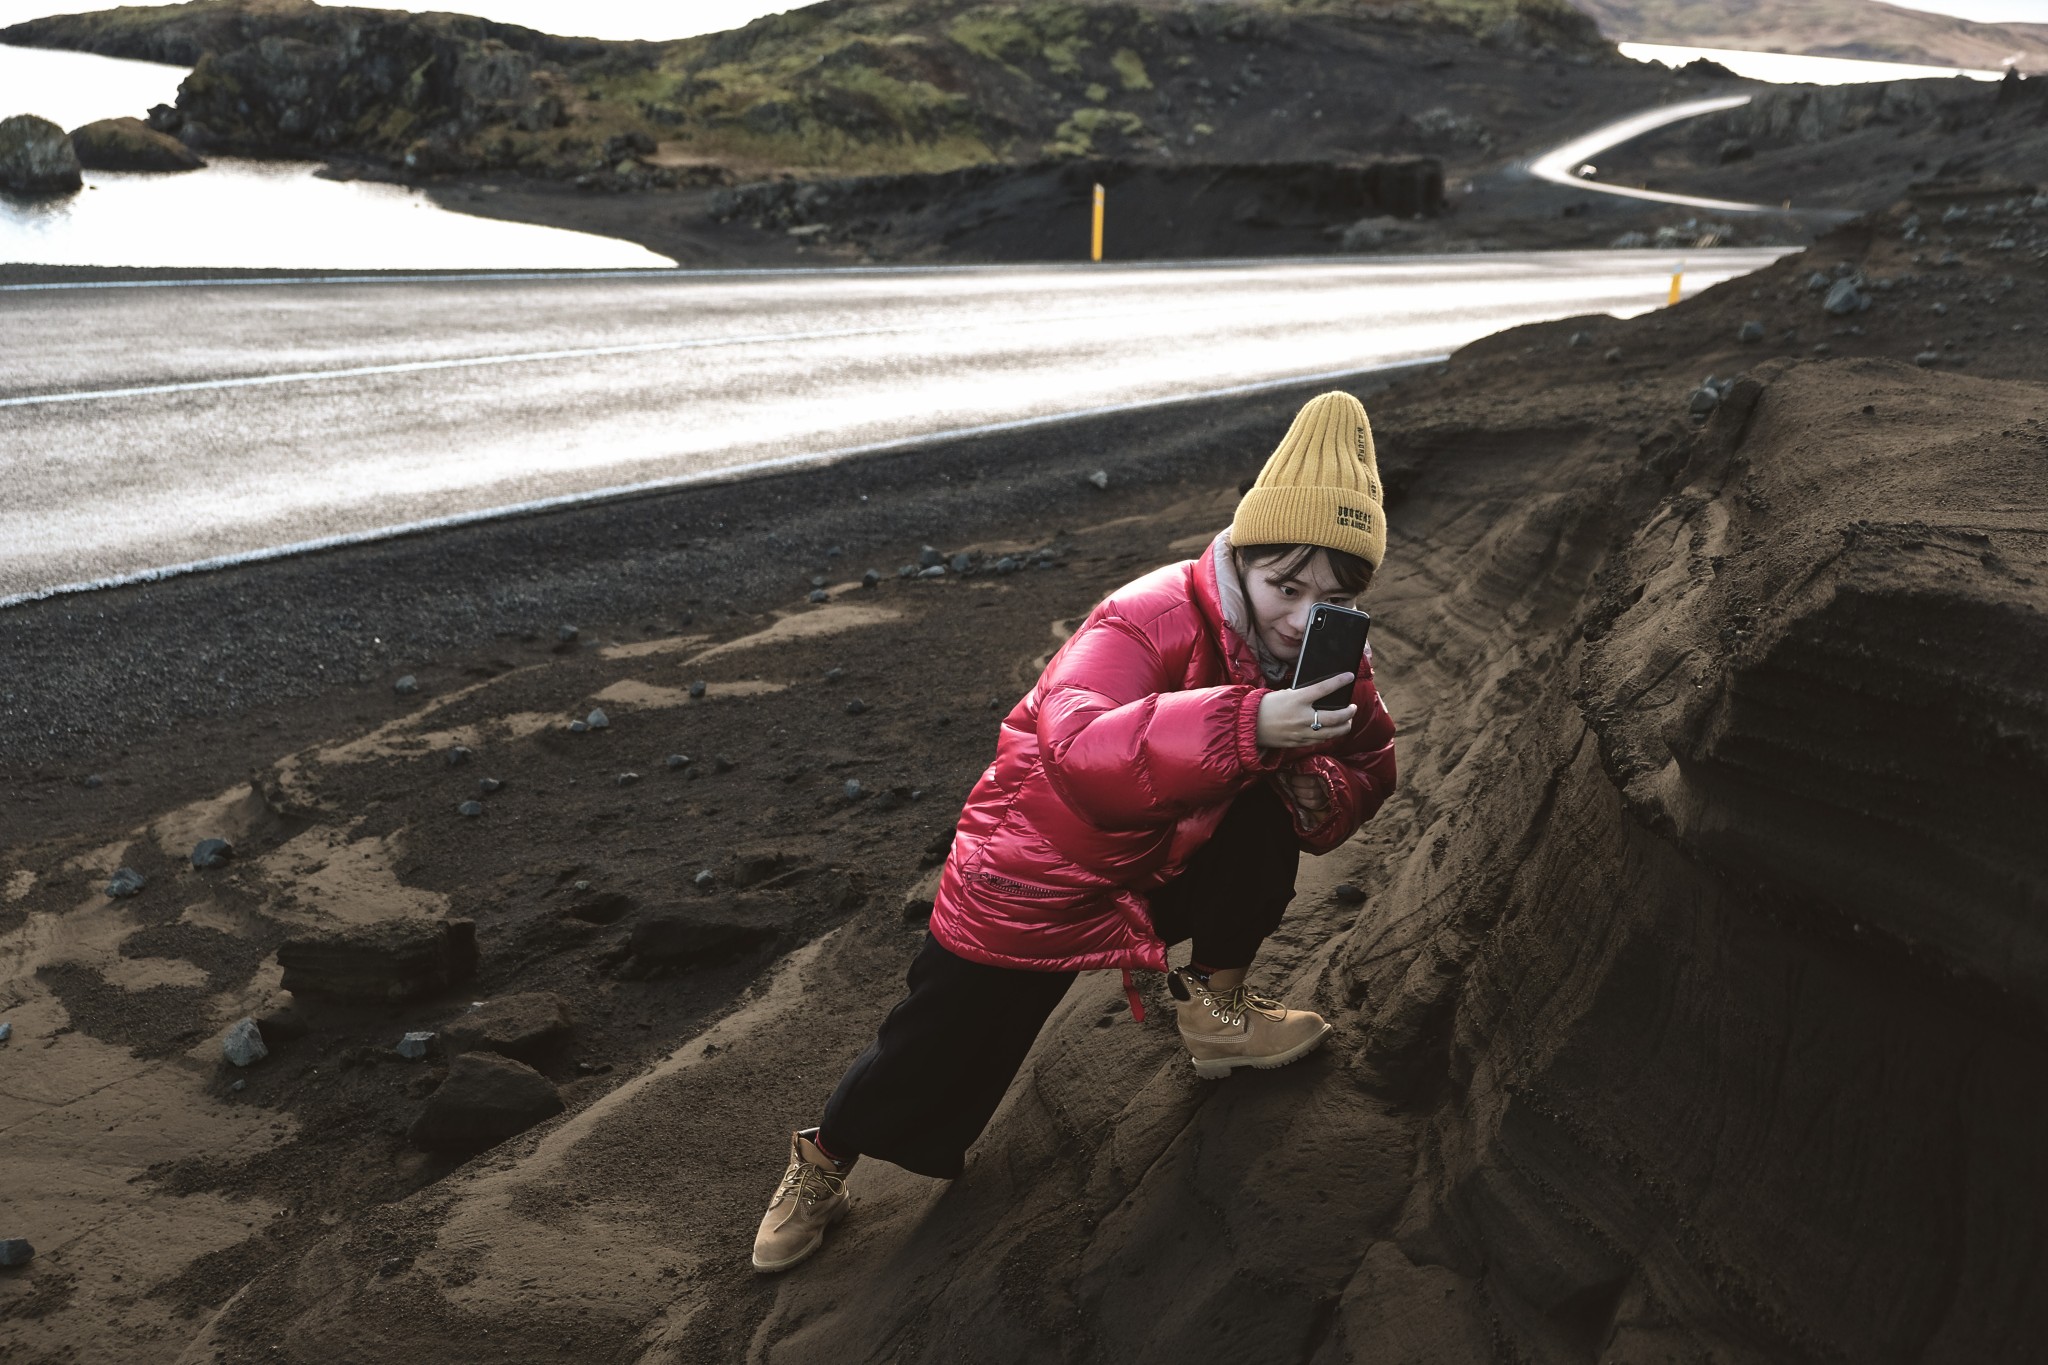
column 1784, row 68
column 251, row 214
column 70, row 88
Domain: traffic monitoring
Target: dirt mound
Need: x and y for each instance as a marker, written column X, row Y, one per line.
column 1154, row 212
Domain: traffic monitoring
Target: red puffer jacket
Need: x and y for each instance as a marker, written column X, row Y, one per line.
column 1117, row 766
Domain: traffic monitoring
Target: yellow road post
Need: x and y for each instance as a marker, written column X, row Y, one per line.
column 1095, row 237
column 1677, row 277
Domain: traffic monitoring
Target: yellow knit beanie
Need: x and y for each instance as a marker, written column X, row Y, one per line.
column 1321, row 487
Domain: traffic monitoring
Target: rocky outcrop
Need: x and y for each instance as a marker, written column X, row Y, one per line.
column 36, row 158
column 129, row 144
column 390, row 960
column 523, row 1026
column 486, row 1099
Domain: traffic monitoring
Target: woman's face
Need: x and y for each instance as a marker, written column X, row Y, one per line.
column 1280, row 603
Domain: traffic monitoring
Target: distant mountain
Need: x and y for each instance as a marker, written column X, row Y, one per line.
column 1867, row 29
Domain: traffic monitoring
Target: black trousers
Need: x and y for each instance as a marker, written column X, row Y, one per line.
column 925, row 1088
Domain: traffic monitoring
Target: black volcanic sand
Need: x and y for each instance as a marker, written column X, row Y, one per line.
column 1691, row 1013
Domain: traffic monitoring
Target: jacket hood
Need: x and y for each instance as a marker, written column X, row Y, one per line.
column 1221, row 594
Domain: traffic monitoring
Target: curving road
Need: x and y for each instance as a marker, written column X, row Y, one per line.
column 1561, row 165
column 145, row 429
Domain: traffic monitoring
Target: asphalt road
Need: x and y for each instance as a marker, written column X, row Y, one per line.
column 144, row 428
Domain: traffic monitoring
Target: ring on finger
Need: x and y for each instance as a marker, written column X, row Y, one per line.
column 1315, row 720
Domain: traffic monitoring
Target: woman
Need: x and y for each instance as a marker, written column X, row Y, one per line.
column 1158, row 784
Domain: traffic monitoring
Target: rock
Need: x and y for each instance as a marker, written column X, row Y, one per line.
column 522, row 1026
column 1580, row 340
column 853, row 789
column 855, row 707
column 487, row 785
column 676, row 762
column 1100, row 478
column 697, row 688
column 36, row 157
column 1750, row 332
column 1927, row 358
column 704, row 878
column 870, row 578
column 1938, row 308
column 1817, row 282
column 820, row 595
column 834, row 674
column 406, row 685
column 817, row 580
column 129, row 144
column 486, row 1099
column 1347, row 894
column 577, row 727
column 460, row 755
column 1822, row 348
column 281, row 1025
column 565, row 635
column 238, row 1086
column 390, row 960
column 598, row 720
column 413, row 1046
column 1845, row 298
column 211, row 853
column 15, row 1251
column 935, row 571
column 916, row 906
column 628, row 779
column 470, row 808
column 93, row 782
column 673, row 943
column 721, row 764
column 1613, row 356
column 126, row 882
column 962, row 562
column 607, row 907
column 759, row 865
column 6, row 1030
column 1704, row 400
column 928, row 556
column 1008, row 564
column 244, row 1045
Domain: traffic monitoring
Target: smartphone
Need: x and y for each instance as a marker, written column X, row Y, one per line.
column 1335, row 643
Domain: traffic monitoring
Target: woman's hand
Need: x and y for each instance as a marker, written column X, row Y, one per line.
column 1288, row 721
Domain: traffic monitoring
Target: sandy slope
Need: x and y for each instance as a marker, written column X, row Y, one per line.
column 1688, row 1016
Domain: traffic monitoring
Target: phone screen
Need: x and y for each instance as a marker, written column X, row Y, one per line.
column 1335, row 643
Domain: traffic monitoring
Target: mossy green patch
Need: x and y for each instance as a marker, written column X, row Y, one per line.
column 1130, row 69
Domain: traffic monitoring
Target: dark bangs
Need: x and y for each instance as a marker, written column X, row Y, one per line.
column 1353, row 573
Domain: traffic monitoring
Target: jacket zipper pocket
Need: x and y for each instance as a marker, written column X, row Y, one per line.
column 1016, row 888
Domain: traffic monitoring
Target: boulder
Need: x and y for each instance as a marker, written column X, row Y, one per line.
column 15, row 1251
column 671, row 943
column 36, row 157
column 391, row 960
column 243, row 1045
column 485, row 1100
column 129, row 144
column 522, row 1026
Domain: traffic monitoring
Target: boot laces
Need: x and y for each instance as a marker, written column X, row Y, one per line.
column 1231, row 1006
column 808, row 1182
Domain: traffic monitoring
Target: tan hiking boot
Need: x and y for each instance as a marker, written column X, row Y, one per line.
column 1225, row 1030
column 810, row 1199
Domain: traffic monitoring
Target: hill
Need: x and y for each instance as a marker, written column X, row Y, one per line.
column 879, row 86
column 1867, row 29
